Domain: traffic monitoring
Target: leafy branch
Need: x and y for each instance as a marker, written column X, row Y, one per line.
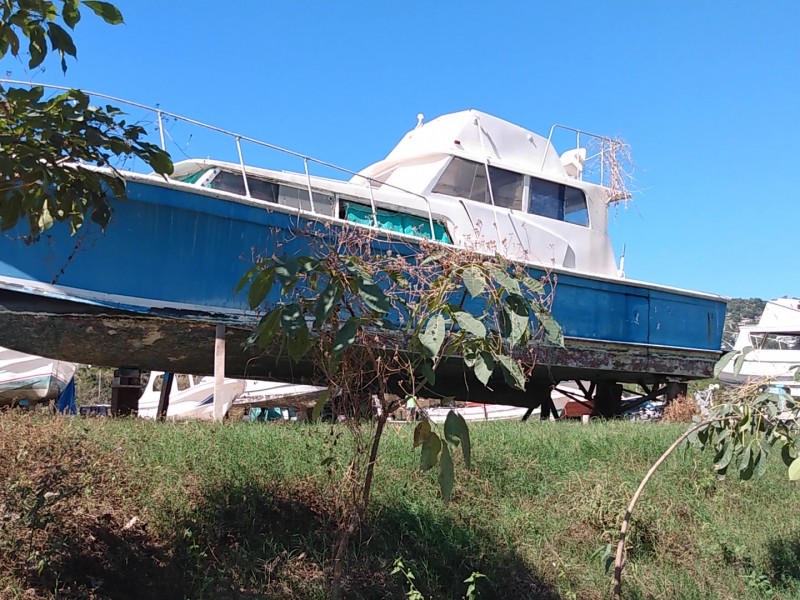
column 44, row 141
column 372, row 319
column 743, row 430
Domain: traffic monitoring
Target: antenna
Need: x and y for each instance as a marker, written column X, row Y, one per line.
column 621, row 270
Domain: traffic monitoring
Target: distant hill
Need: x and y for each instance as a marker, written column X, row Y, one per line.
column 741, row 310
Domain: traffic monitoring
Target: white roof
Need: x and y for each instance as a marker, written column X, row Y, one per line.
column 474, row 134
column 783, row 313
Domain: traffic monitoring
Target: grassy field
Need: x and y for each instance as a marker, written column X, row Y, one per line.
column 125, row 509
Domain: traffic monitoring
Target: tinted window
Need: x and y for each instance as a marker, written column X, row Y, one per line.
column 467, row 179
column 233, row 183
column 298, row 198
column 558, row 201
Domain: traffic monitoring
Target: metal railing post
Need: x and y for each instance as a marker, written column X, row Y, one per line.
column 372, row 203
column 161, row 130
column 241, row 163
column 308, row 183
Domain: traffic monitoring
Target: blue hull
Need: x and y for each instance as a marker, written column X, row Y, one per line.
column 179, row 254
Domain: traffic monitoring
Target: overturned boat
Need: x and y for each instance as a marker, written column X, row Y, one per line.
column 466, row 180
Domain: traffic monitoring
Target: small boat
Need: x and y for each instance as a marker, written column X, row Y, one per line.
column 31, row 379
column 192, row 397
column 465, row 181
column 475, row 411
column 774, row 345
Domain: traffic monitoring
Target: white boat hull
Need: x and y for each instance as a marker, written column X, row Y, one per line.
column 479, row 412
column 31, row 378
column 197, row 400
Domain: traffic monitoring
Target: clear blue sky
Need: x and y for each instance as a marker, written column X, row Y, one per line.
column 706, row 93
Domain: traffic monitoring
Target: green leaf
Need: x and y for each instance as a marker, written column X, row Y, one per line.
column 506, row 281
column 474, row 281
column 514, row 319
column 37, row 46
column 456, row 432
column 430, row 452
column 794, row 470
column 760, row 466
column 246, row 278
column 726, row 455
column 329, row 297
column 267, row 328
column 426, row 370
column 286, row 272
column 160, row 162
column 346, row 336
column 723, row 362
column 739, row 361
column 470, row 324
column 744, row 461
column 60, row 39
column 512, row 372
column 260, row 286
column 70, row 13
column 373, row 296
column 421, row 432
column 106, row 11
column 534, row 286
column 292, row 321
column 552, row 330
column 299, row 344
column 446, row 474
column 484, row 367
column 323, row 398
column 432, row 337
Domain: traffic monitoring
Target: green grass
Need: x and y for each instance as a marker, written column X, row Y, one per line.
column 244, row 511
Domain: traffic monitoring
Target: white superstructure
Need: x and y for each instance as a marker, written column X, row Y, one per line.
column 485, row 184
column 775, row 343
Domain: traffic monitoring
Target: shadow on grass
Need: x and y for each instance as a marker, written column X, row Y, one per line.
column 248, row 541
column 784, row 559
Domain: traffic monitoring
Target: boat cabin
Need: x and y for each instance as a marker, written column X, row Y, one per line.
column 467, row 179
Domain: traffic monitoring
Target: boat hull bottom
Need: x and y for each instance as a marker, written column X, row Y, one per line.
column 91, row 335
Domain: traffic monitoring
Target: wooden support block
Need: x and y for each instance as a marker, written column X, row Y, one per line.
column 219, row 373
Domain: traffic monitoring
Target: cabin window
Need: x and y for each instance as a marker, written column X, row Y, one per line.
column 558, row 201
column 298, row 198
column 233, row 183
column 395, row 221
column 467, row 179
column 261, row 189
column 775, row 341
column 192, row 177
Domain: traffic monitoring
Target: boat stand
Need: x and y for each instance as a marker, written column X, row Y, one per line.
column 163, row 399
column 219, row 373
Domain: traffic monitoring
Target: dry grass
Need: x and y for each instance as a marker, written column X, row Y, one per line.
column 681, row 410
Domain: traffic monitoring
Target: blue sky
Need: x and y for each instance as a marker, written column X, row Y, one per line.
column 706, row 94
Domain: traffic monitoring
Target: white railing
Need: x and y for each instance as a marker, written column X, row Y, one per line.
column 607, row 156
column 238, row 139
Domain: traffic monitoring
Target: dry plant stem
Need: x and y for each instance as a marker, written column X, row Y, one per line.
column 623, row 532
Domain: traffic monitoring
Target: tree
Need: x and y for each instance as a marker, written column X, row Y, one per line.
column 744, row 429
column 378, row 325
column 44, row 139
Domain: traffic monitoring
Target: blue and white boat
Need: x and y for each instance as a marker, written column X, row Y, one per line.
column 150, row 290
